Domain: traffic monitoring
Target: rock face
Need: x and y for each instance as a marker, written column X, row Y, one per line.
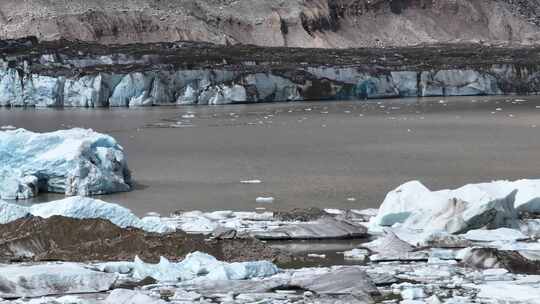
column 313, row 23
column 74, row 162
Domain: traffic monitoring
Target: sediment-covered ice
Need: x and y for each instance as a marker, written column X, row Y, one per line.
column 83, row 208
column 323, row 228
column 74, row 162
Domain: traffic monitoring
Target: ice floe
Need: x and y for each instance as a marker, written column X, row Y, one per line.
column 264, row 200
column 52, row 279
column 74, row 162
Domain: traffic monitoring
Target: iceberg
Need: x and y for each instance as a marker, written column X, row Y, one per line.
column 74, row 162
column 84, row 208
column 492, row 205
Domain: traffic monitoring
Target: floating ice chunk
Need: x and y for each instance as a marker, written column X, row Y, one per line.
column 501, row 234
column 52, row 279
column 264, row 200
column 7, row 127
column 356, row 254
column 74, row 162
column 334, row 211
column 251, row 181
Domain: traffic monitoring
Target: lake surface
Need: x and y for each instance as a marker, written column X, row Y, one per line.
column 312, row 154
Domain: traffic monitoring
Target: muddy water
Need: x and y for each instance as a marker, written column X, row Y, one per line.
column 317, row 154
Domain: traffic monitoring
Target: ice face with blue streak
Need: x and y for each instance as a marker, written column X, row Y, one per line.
column 74, row 162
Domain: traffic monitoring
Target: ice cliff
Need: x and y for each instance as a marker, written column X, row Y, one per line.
column 69, row 74
column 74, row 162
column 219, row 86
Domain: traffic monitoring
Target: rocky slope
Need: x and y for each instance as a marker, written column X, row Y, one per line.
column 297, row 23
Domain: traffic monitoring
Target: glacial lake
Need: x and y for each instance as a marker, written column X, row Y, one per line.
column 345, row 154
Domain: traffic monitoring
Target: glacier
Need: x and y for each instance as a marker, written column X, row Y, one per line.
column 220, row 85
column 74, row 162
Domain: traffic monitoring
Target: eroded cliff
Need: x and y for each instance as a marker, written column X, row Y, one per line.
column 296, row 23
